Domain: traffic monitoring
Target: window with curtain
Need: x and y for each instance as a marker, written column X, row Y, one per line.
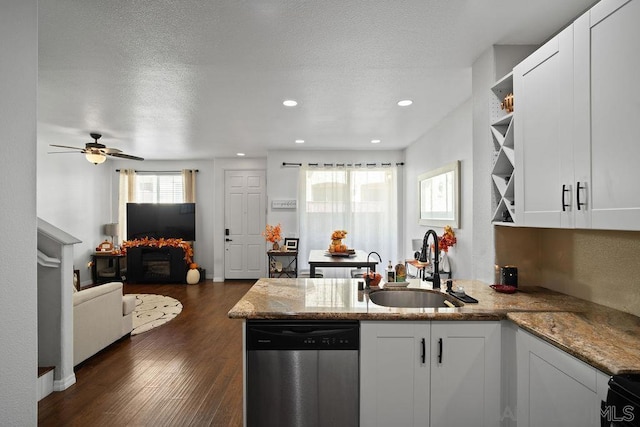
column 361, row 201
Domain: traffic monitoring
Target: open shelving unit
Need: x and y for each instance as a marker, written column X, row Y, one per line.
column 503, row 169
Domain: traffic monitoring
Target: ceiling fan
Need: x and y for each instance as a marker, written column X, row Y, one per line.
column 97, row 153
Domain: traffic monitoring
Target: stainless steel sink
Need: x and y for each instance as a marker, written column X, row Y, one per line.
column 413, row 298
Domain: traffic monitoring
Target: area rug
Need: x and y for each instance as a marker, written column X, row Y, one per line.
column 152, row 311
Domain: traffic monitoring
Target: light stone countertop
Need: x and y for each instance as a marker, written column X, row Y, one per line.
column 605, row 338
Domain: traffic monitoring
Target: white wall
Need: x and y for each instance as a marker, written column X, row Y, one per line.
column 73, row 195
column 18, row 83
column 205, row 183
column 450, row 140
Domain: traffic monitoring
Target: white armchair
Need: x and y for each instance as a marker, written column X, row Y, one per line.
column 101, row 316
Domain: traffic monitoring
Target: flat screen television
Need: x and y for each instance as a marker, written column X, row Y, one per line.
column 156, row 220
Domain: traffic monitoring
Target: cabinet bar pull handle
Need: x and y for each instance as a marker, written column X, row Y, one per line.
column 440, row 350
column 423, row 355
column 578, row 194
column 564, row 204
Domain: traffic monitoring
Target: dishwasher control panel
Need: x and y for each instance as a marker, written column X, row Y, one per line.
column 302, row 335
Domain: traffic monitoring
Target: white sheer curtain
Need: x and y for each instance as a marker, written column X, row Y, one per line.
column 362, row 201
column 126, row 194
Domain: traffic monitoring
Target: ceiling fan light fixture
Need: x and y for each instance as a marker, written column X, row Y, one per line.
column 95, row 158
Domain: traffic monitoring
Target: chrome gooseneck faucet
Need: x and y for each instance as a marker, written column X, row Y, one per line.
column 435, row 278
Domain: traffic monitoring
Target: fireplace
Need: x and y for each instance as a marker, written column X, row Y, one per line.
column 156, row 265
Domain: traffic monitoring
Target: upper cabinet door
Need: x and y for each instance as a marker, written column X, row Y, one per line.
column 543, row 96
column 607, row 114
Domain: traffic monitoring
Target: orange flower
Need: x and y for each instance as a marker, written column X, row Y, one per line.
column 272, row 233
column 447, row 239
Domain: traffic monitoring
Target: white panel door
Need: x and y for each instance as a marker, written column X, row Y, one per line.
column 245, row 217
column 607, row 64
column 543, row 97
column 465, row 373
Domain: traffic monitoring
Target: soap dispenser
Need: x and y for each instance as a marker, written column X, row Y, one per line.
column 391, row 273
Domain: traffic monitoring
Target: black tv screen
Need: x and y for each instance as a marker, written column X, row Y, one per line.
column 156, row 220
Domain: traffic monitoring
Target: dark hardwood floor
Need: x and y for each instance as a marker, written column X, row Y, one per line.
column 187, row 372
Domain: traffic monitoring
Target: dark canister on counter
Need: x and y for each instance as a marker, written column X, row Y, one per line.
column 509, row 275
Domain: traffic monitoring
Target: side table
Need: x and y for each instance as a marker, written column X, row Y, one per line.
column 282, row 263
column 107, row 267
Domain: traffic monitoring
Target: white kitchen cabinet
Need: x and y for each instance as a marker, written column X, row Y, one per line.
column 465, row 373
column 577, row 134
column 543, row 98
column 554, row 388
column 394, row 373
column 429, row 373
column 607, row 113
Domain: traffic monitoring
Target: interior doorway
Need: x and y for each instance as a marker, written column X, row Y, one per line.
column 245, row 214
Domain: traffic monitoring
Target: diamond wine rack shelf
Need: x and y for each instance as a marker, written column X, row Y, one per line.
column 503, row 170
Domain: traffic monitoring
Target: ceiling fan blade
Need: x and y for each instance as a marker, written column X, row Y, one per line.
column 124, row 156
column 108, row 150
column 63, row 152
column 66, row 146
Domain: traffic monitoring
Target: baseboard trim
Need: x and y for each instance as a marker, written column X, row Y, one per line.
column 64, row 383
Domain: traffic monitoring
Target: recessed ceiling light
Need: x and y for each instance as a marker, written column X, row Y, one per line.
column 405, row 103
column 375, row 141
column 299, row 141
column 289, row 103
column 240, row 154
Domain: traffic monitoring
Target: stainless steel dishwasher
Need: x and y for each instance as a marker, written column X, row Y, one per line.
column 302, row 373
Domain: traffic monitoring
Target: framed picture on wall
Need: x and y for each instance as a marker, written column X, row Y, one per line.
column 291, row 244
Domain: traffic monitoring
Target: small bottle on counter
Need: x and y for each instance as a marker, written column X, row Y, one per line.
column 401, row 272
column 391, row 273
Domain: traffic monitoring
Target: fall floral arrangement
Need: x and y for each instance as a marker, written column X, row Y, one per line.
column 447, row 239
column 272, row 233
column 161, row 243
column 336, row 241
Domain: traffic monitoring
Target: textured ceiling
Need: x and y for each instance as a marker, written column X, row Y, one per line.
column 193, row 79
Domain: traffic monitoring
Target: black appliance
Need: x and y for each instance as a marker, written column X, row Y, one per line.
column 302, row 373
column 622, row 407
column 156, row 220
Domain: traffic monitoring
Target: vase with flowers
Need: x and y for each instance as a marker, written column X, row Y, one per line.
column 447, row 240
column 273, row 234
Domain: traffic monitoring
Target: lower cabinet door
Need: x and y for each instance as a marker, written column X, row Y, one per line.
column 394, row 374
column 554, row 388
column 465, row 373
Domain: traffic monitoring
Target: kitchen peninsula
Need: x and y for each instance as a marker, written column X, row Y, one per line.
column 430, row 358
